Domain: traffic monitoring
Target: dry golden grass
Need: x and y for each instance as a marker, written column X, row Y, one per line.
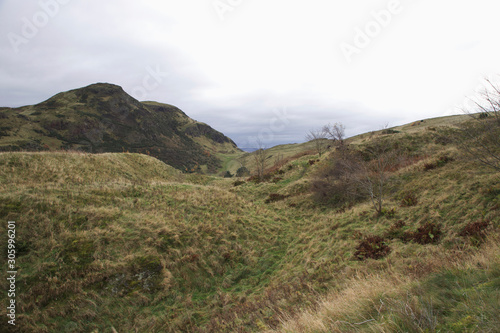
column 124, row 241
column 368, row 301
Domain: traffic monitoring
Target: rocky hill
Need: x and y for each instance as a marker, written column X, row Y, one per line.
column 104, row 118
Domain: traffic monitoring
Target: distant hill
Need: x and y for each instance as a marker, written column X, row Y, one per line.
column 104, row 118
column 249, row 150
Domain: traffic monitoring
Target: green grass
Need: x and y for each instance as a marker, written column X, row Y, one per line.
column 461, row 296
column 124, row 241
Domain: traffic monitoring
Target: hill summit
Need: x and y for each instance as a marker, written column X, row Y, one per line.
column 102, row 118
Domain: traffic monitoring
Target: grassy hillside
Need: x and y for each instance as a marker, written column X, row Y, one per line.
column 288, row 152
column 123, row 242
column 275, row 155
column 460, row 295
column 103, row 118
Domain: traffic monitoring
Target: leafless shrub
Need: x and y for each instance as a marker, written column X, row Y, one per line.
column 480, row 137
column 372, row 172
column 335, row 132
column 260, row 157
column 354, row 174
column 319, row 138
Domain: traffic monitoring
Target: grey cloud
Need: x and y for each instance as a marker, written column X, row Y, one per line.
column 123, row 42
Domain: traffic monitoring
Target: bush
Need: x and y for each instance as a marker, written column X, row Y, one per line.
column 476, row 231
column 330, row 187
column 409, row 199
column 479, row 136
column 238, row 183
column 228, row 175
column 373, row 247
column 388, row 212
column 396, row 230
column 242, row 172
column 429, row 233
column 336, row 194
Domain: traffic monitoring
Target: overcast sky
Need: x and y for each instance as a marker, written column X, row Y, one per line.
column 268, row 69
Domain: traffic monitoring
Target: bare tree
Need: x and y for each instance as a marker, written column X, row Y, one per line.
column 372, row 176
column 260, row 157
column 480, row 137
column 335, row 132
column 320, row 140
column 279, row 160
column 363, row 173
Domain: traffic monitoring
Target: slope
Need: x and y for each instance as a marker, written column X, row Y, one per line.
column 144, row 248
column 103, row 118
